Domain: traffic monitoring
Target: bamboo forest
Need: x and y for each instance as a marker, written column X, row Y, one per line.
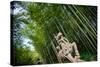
column 34, row 29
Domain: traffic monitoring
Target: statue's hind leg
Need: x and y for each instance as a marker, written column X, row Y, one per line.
column 77, row 56
column 70, row 58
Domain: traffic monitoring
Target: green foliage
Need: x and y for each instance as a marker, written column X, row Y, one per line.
column 23, row 56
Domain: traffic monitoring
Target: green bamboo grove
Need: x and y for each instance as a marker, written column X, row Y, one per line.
column 78, row 24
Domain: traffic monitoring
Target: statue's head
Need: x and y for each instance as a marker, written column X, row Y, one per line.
column 59, row 35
